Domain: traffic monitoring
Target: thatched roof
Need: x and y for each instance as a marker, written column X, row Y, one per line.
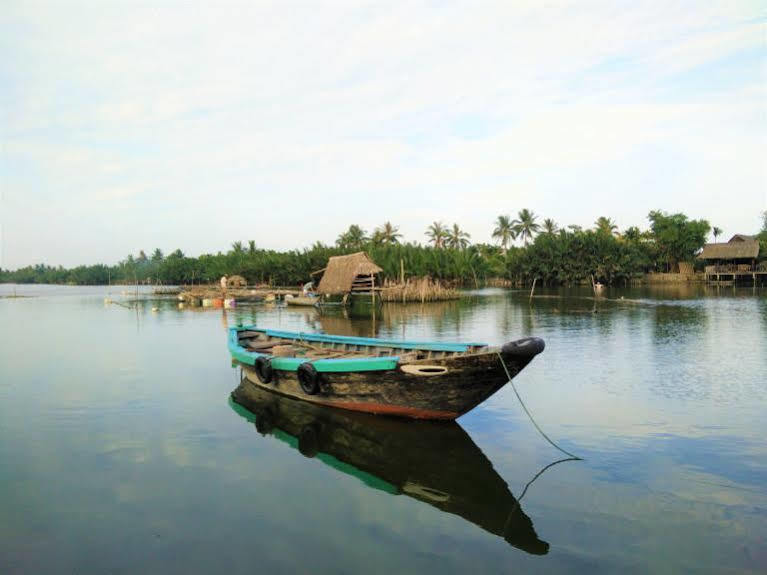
column 741, row 238
column 740, row 249
column 341, row 271
column 236, row 281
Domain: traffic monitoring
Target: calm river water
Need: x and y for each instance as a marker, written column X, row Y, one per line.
column 121, row 452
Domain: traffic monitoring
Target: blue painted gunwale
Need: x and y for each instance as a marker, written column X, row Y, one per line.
column 334, row 365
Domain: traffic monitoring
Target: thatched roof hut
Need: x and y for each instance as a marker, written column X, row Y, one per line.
column 740, row 247
column 236, row 282
column 343, row 272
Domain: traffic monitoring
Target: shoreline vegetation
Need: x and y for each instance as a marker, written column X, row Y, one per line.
column 545, row 253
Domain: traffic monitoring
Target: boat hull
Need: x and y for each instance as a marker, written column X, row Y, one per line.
column 411, row 390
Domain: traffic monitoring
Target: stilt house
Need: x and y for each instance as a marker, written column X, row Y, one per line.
column 353, row 273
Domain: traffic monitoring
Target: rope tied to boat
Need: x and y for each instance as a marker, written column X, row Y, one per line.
column 527, row 411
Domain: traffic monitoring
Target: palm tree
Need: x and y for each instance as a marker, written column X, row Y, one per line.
column 549, row 226
column 252, row 247
column 717, row 232
column 606, row 226
column 525, row 227
column 457, row 238
column 437, row 233
column 504, row 232
column 237, row 248
column 632, row 234
column 354, row 238
column 387, row 234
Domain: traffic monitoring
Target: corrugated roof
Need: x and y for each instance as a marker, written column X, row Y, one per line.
column 743, row 249
column 341, row 271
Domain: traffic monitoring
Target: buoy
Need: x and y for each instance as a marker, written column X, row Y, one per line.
column 155, row 309
column 218, row 302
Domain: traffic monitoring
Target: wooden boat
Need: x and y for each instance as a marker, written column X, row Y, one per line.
column 423, row 380
column 303, row 300
column 435, row 462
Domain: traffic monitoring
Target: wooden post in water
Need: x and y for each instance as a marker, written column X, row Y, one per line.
column 533, row 288
column 373, row 289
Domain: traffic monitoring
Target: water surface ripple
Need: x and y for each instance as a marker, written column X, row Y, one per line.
column 122, row 451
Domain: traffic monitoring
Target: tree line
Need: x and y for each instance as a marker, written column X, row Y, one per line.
column 524, row 249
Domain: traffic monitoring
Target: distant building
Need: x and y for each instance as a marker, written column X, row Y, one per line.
column 346, row 274
column 741, row 250
column 734, row 261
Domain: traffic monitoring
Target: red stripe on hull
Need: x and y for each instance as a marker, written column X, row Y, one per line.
column 384, row 409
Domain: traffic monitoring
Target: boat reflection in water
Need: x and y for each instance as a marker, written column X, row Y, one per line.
column 433, row 461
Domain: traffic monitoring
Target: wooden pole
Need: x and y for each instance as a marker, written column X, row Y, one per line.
column 373, row 289
column 533, row 289
column 402, row 271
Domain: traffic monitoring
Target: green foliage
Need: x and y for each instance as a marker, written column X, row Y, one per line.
column 352, row 239
column 525, row 226
column 574, row 256
column 762, row 237
column 566, row 256
column 437, row 234
column 549, row 226
column 386, row 234
column 606, row 226
column 504, row 231
column 457, row 239
column 677, row 238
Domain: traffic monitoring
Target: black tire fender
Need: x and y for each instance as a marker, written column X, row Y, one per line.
column 308, row 378
column 524, row 349
column 263, row 368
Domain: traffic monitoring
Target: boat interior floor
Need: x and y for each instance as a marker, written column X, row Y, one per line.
column 285, row 347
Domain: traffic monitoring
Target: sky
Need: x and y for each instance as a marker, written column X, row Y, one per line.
column 191, row 125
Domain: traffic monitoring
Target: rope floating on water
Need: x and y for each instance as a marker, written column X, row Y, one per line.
column 530, row 415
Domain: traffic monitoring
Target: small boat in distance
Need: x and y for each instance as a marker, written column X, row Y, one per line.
column 422, row 380
column 310, row 301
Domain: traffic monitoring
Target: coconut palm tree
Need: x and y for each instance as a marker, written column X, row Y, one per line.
column 456, row 238
column 606, row 226
column 387, row 234
column 549, row 226
column 251, row 247
column 525, row 226
column 504, row 231
column 437, row 234
column 632, row 234
column 237, row 248
column 717, row 232
column 353, row 238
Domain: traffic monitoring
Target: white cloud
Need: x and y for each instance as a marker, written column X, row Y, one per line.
column 286, row 122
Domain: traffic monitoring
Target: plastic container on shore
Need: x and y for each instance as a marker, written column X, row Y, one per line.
column 229, row 302
column 207, row 302
column 218, row 302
